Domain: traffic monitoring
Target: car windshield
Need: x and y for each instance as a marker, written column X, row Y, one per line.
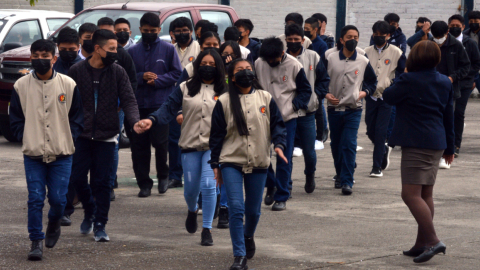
column 92, row 16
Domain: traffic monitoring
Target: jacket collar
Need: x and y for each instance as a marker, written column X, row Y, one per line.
column 54, row 74
column 301, row 51
column 450, row 40
column 149, row 46
column 343, row 57
column 78, row 59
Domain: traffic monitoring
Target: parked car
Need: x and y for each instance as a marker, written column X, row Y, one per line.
column 16, row 63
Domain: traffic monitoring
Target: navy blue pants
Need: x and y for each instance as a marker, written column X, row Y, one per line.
column 174, row 152
column 377, row 118
column 459, row 114
column 305, row 137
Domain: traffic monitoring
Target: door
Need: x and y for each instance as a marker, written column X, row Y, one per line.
column 22, row 33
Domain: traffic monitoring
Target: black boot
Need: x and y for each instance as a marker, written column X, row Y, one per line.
column 223, row 218
column 52, row 234
column 250, row 247
column 36, row 251
column 310, row 183
column 240, row 263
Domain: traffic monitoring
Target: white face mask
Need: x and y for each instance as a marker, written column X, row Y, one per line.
column 440, row 41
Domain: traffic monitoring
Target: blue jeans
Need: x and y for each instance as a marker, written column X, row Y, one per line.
column 223, row 196
column 113, row 173
column 283, row 171
column 305, row 135
column 234, row 181
column 343, row 135
column 55, row 176
column 174, row 152
column 97, row 158
column 377, row 117
column 199, row 176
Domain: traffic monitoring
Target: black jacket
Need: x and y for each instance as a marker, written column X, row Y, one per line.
column 125, row 60
column 457, row 62
column 102, row 123
column 471, row 47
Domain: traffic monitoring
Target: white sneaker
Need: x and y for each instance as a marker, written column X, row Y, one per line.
column 319, row 145
column 359, row 148
column 297, row 152
column 443, row 164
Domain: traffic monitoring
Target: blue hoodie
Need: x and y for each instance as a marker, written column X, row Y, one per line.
column 254, row 48
column 62, row 67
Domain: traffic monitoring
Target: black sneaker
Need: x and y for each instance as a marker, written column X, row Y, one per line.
column 338, row 182
column 347, row 190
column 174, row 183
column 325, row 135
column 310, row 183
column 376, row 172
column 191, row 223
column 386, row 157
column 115, row 183
column 240, row 263
column 99, row 233
column 145, row 192
column 52, row 234
column 65, row 221
column 87, row 225
column 36, row 251
column 207, row 239
column 112, row 195
column 217, row 207
column 162, row 185
column 457, row 151
column 223, row 222
column 269, row 196
column 250, row 247
column 279, row 206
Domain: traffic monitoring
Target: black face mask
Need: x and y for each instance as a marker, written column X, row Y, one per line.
column 68, row 56
column 474, row 26
column 308, row 34
column 109, row 59
column 379, row 40
column 88, row 46
column 244, row 78
column 351, row 45
column 149, row 38
column 123, row 37
column 42, row 66
column 207, row 73
column 182, row 38
column 455, row 31
column 294, row 46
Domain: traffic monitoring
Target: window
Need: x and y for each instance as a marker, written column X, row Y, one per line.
column 23, row 33
column 165, row 33
column 221, row 19
column 54, row 24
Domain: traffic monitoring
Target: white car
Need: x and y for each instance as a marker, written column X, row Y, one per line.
column 19, row 27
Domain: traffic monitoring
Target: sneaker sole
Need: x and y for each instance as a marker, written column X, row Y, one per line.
column 35, row 258
column 225, row 226
column 206, row 244
column 388, row 158
column 102, row 239
column 91, row 229
column 376, row 175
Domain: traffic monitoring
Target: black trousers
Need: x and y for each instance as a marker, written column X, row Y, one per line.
column 459, row 115
column 69, row 209
column 141, row 145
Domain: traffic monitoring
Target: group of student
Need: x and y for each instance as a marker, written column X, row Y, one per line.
column 213, row 108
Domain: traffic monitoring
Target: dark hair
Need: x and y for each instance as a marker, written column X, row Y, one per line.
column 423, row 20
column 87, row 28
column 272, row 47
column 102, row 36
column 233, row 93
column 209, row 27
column 181, row 22
column 392, row 17
column 195, row 83
column 208, row 35
column 68, row 35
column 424, row 55
column 474, row 14
column 343, row 32
column 151, row 19
column 123, row 20
column 232, row 33
column 439, row 29
column 235, row 48
column 457, row 17
column 105, row 21
column 201, row 23
column 245, row 23
column 43, row 45
column 313, row 22
column 382, row 27
column 320, row 17
column 296, row 17
column 294, row 29
column 392, row 29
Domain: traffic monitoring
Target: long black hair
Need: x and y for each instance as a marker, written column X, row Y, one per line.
column 233, row 92
column 235, row 47
column 195, row 83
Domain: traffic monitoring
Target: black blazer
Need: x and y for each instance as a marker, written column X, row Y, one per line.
column 457, row 62
column 424, row 119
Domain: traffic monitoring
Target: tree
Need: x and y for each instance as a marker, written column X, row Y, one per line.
column 32, row 2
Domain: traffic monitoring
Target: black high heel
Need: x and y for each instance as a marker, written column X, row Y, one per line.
column 430, row 252
column 414, row 252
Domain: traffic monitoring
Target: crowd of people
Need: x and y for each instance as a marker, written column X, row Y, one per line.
column 212, row 109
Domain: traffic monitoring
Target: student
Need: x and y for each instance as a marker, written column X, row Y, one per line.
column 296, row 18
column 101, row 83
column 397, row 38
column 456, row 24
column 85, row 32
column 284, row 78
column 422, row 32
column 245, row 114
column 68, row 46
column 46, row 115
column 187, row 48
column 474, row 24
column 245, row 26
column 124, row 33
column 198, row 28
column 318, row 78
column 352, row 78
column 311, row 28
column 322, row 32
column 196, row 99
column 390, row 64
column 156, row 83
column 233, row 34
column 230, row 50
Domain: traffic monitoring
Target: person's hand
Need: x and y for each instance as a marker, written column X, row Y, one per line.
column 324, row 27
column 361, row 95
column 332, row 99
column 280, row 154
column 218, row 176
column 406, row 70
column 229, row 59
column 449, row 158
column 180, row 119
column 474, row 85
column 451, row 80
column 142, row 126
column 148, row 76
column 151, row 82
column 426, row 27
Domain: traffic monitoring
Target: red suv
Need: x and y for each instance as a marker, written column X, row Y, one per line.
column 16, row 63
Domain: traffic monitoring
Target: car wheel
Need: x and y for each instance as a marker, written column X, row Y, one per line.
column 6, row 132
column 124, row 141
